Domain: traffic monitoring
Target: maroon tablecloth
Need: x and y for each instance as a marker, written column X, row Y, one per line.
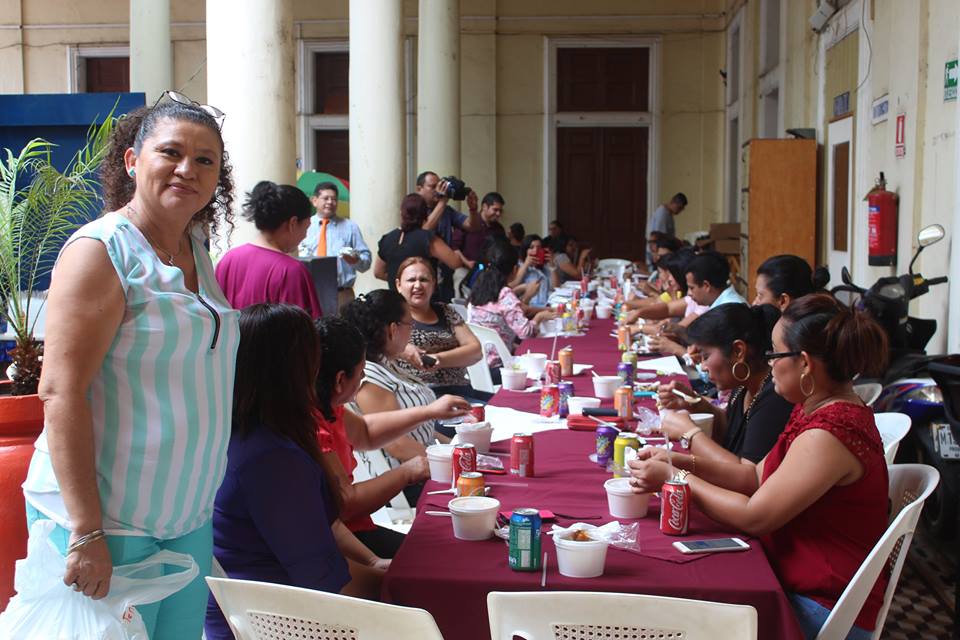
column 450, row 578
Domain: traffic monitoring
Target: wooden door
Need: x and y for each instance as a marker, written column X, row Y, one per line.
column 333, row 152
column 107, row 75
column 602, row 188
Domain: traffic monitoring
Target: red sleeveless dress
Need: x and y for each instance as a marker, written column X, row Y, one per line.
column 817, row 553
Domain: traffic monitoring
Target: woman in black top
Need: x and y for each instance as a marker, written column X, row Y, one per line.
column 732, row 340
column 410, row 240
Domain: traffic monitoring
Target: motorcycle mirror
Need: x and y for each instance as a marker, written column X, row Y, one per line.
column 929, row 235
column 845, row 276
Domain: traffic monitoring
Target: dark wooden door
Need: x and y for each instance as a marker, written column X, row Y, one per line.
column 107, row 75
column 333, row 152
column 602, row 188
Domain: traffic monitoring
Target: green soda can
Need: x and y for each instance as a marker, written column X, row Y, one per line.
column 525, row 540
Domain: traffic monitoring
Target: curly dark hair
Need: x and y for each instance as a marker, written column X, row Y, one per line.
column 269, row 205
column 372, row 313
column 132, row 129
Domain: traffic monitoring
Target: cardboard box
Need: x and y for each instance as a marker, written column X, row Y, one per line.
column 729, row 230
column 727, row 246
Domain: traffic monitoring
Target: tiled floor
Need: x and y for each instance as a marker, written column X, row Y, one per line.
column 923, row 606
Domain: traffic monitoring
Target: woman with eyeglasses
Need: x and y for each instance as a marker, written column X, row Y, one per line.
column 139, row 365
column 263, row 270
column 782, row 279
column 818, row 499
column 384, row 319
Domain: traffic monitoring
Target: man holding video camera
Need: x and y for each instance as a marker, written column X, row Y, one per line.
column 443, row 218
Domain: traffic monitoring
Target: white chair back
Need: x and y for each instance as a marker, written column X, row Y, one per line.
column 615, row 616
column 910, row 485
column 490, row 338
column 460, row 309
column 480, row 377
column 397, row 515
column 265, row 611
column 868, row 392
column 893, row 427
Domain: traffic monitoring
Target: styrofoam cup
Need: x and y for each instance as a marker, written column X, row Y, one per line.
column 577, row 404
column 580, row 559
column 478, row 436
column 623, row 502
column 514, row 379
column 535, row 363
column 704, row 421
column 473, row 517
column 605, row 386
column 603, row 311
column 440, row 459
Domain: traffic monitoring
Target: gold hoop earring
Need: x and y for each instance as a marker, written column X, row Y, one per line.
column 733, row 372
column 813, row 386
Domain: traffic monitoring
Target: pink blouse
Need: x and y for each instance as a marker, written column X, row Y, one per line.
column 506, row 317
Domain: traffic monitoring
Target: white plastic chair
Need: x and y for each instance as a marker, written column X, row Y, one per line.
column 480, row 377
column 868, row 392
column 460, row 309
column 539, row 615
column 910, row 484
column 612, row 264
column 893, row 427
column 397, row 515
column 265, row 611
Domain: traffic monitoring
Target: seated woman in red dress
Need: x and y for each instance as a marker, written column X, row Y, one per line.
column 819, row 503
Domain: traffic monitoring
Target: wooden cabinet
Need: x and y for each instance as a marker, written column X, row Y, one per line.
column 778, row 208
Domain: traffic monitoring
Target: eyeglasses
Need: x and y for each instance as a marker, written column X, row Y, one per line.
column 406, row 323
column 179, row 98
column 774, row 355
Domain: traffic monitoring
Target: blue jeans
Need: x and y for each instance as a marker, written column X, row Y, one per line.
column 178, row 616
column 811, row 615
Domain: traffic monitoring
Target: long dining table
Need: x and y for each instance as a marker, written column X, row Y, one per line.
column 450, row 578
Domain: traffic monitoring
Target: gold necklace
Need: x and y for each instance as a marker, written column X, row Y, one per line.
column 156, row 245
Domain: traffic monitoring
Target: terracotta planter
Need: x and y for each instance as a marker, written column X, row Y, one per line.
column 21, row 420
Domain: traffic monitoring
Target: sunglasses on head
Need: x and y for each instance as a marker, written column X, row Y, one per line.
column 179, row 98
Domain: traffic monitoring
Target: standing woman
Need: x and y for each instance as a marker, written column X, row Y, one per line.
column 409, row 240
column 263, row 270
column 139, row 365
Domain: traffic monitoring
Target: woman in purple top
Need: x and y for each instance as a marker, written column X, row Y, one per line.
column 263, row 270
column 274, row 518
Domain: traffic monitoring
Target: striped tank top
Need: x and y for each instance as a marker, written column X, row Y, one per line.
column 162, row 401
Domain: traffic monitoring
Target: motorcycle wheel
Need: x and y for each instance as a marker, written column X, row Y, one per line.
column 940, row 510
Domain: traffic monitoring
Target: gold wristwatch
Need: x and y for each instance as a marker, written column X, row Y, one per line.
column 687, row 439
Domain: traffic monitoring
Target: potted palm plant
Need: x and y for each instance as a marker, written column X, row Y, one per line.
column 40, row 207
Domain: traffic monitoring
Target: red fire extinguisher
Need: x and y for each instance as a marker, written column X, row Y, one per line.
column 882, row 215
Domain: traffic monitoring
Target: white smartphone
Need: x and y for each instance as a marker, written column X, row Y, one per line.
column 711, row 546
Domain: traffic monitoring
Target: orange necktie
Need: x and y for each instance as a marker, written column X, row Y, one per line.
column 322, row 241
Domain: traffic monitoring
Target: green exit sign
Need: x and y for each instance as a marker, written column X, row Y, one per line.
column 950, row 75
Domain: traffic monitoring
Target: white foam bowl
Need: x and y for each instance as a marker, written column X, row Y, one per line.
column 478, row 436
column 587, row 313
column 473, row 517
column 623, row 502
column 514, row 379
column 603, row 311
column 605, row 386
column 704, row 421
column 577, row 404
column 580, row 559
column 440, row 459
column 534, row 363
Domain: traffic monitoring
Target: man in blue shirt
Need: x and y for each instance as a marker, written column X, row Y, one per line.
column 443, row 219
column 707, row 281
column 662, row 220
column 331, row 235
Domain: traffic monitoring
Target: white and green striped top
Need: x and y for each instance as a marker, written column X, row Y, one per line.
column 162, row 401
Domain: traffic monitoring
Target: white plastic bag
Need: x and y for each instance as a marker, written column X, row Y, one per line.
column 44, row 607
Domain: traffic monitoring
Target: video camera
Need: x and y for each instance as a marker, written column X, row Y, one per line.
column 457, row 189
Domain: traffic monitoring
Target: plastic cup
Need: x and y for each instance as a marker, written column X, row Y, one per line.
column 605, row 386
column 440, row 459
column 704, row 421
column 474, row 517
column 478, row 434
column 535, row 363
column 623, row 502
column 514, row 379
column 576, row 559
column 603, row 311
column 577, row 404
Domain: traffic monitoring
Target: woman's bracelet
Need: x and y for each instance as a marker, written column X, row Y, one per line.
column 85, row 540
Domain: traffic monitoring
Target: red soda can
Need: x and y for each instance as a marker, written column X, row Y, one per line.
column 675, row 507
column 464, row 460
column 549, row 400
column 552, row 372
column 521, row 455
column 584, row 286
column 478, row 412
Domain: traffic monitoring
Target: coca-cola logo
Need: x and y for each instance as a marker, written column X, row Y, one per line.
column 677, row 505
column 466, row 460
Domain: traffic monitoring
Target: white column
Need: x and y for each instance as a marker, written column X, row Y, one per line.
column 151, row 54
column 438, row 87
column 953, row 299
column 250, row 77
column 377, row 154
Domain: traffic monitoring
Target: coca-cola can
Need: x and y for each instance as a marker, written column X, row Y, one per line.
column 675, row 507
column 521, row 455
column 551, row 373
column 478, row 412
column 549, row 400
column 464, row 459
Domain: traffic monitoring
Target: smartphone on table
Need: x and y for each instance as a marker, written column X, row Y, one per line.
column 711, row 546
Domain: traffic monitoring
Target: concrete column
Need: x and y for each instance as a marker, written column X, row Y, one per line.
column 377, row 135
column 438, row 87
column 250, row 77
column 953, row 299
column 151, row 53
